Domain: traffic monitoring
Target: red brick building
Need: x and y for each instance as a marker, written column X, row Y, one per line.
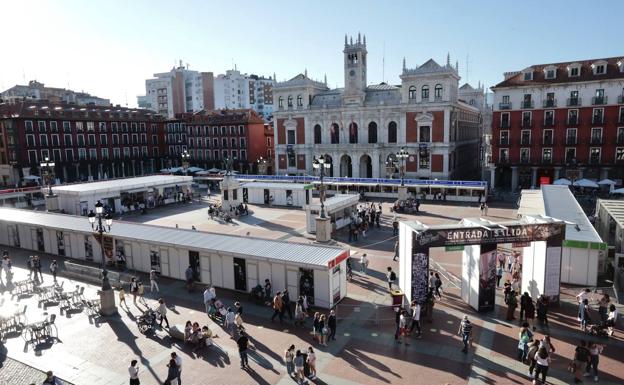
column 212, row 136
column 85, row 142
column 559, row 120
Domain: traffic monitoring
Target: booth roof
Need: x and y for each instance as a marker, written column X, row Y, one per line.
column 560, row 203
column 615, row 208
column 123, row 184
column 531, row 203
column 338, row 202
column 276, row 186
column 296, row 253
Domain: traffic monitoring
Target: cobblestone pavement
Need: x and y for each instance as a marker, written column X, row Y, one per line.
column 13, row 372
column 91, row 351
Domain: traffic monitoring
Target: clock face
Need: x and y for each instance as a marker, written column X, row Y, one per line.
column 352, row 73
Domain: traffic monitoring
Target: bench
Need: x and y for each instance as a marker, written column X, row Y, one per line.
column 94, row 274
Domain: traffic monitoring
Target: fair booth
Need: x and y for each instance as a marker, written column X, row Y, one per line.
column 121, row 195
column 583, row 253
column 277, row 194
column 225, row 261
column 339, row 209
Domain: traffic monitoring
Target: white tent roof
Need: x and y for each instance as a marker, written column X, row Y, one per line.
column 125, row 184
column 559, row 202
column 290, row 252
column 562, row 181
column 585, row 183
column 607, row 182
column 532, row 203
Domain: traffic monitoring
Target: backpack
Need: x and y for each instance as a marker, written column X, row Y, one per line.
column 393, row 276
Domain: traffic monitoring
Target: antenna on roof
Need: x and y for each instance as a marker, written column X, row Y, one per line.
column 383, row 63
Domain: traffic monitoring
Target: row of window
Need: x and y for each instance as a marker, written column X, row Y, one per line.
column 595, row 154
column 214, row 130
column 42, row 125
column 570, row 138
column 91, row 140
column 424, row 92
column 209, row 154
column 234, row 142
column 549, row 117
column 334, row 133
column 599, row 98
column 573, row 70
column 280, row 101
column 56, row 154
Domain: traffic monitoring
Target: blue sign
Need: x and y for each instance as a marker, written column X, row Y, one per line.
column 382, row 181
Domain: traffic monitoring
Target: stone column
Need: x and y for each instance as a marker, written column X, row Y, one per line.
column 336, row 164
column 142, row 170
column 557, row 171
column 492, row 176
column 514, row 178
column 534, row 177
column 77, row 171
column 375, row 164
column 355, row 165
column 604, row 172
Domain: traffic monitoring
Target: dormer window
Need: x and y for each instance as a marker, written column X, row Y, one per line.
column 528, row 76
column 550, row 72
column 574, row 72
column 599, row 68
column 620, row 65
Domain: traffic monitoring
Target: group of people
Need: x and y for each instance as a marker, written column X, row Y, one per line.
column 408, row 320
column 367, row 217
column 605, row 322
column 300, row 361
column 409, row 206
column 197, row 336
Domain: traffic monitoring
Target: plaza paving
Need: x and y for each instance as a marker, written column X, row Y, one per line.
column 92, row 351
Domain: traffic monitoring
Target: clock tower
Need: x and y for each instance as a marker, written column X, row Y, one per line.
column 354, row 70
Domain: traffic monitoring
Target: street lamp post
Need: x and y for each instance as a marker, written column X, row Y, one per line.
column 48, row 166
column 262, row 164
column 320, row 164
column 101, row 223
column 402, row 156
column 185, row 161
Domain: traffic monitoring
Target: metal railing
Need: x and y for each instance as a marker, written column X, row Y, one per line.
column 573, row 102
column 550, row 103
column 504, row 106
column 599, row 100
column 527, row 104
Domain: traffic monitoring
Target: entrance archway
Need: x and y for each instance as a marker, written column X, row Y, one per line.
column 330, row 171
column 366, row 167
column 345, row 166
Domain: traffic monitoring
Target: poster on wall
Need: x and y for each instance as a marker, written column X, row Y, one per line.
column 552, row 273
column 420, row 281
column 487, row 277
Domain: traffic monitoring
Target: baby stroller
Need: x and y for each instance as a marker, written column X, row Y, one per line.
column 216, row 311
column 147, row 322
column 596, row 330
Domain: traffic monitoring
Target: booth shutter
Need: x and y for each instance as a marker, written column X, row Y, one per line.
column 205, row 269
column 164, row 262
column 128, row 255
column 292, row 282
column 252, row 274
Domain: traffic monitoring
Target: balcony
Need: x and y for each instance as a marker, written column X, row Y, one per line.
column 505, row 124
column 525, row 141
column 550, row 103
column 596, row 140
column 599, row 100
column 573, row 120
column 571, row 140
column 574, row 102
column 548, row 141
column 504, row 106
column 621, row 119
column 549, row 122
column 527, row 124
column 504, row 159
column 597, row 120
column 594, row 160
column 526, row 104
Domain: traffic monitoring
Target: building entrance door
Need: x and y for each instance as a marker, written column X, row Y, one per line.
column 240, row 274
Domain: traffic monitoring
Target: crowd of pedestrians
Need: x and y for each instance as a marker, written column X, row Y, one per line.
column 367, row 217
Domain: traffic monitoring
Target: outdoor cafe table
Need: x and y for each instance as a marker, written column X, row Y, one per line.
column 23, row 287
column 11, row 317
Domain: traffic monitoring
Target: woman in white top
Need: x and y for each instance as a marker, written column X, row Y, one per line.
column 311, row 362
column 162, row 310
column 612, row 319
column 543, row 360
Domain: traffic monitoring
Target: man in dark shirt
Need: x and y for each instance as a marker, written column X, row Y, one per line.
column 242, row 343
column 331, row 323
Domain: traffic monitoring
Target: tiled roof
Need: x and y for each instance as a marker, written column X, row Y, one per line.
column 613, row 72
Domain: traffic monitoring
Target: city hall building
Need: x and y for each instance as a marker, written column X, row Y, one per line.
column 360, row 128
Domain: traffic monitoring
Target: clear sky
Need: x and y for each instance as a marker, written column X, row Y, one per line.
column 108, row 48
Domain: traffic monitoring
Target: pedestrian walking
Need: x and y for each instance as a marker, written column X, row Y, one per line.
column 37, row 267
column 438, row 285
column 133, row 371
column 525, row 336
column 153, row 278
column 286, row 301
column 268, row 290
column 209, row 294
column 278, row 306
column 299, row 313
column 141, row 292
column 402, row 332
column 315, row 326
column 603, row 305
column 364, row 264
column 299, row 373
column 416, row 319
column 585, row 316
column 6, row 267
column 512, row 303
column 239, row 308
column 178, row 363
column 243, row 344
column 499, row 275
column 542, row 359
column 581, row 359
column 396, row 251
column 612, row 319
column 391, row 277
column 594, row 355
column 430, row 303
column 331, row 324
column 289, row 357
column 485, row 209
column 162, row 311
column 465, row 330
column 134, row 289
column 188, row 275
column 230, row 321
column 122, row 297
column 524, row 299
column 482, row 208
column 51, row 379
column 53, row 269
column 311, row 359
column 529, row 312
column 431, row 280
column 323, row 330
column 395, row 227
column 172, row 373
column 533, row 348
column 31, row 266
column 542, row 310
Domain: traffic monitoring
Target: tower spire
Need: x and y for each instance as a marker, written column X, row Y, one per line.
column 351, row 40
column 305, row 72
column 325, row 79
column 359, row 38
column 345, row 39
column 404, row 67
column 457, row 67
column 448, row 59
column 364, row 39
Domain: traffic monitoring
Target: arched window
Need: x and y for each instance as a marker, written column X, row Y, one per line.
column 412, row 92
column 424, row 94
column 353, row 133
column 299, row 100
column 372, row 132
column 317, row 134
column 392, row 132
column 334, row 133
column 438, row 92
column 280, row 102
column 290, row 101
